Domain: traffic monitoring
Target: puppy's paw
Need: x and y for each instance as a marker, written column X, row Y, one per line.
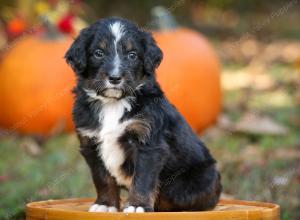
column 132, row 209
column 102, row 208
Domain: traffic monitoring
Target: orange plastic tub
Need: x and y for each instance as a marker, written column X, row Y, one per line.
column 76, row 209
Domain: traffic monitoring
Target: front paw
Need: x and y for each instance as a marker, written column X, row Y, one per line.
column 137, row 209
column 102, row 208
column 132, row 209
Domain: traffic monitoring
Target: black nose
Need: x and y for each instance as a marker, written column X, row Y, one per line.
column 114, row 79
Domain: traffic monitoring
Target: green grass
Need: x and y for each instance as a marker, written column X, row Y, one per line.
column 59, row 172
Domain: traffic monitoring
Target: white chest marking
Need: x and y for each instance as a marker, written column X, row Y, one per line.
column 110, row 151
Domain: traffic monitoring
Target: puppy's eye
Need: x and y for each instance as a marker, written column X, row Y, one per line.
column 132, row 55
column 98, row 54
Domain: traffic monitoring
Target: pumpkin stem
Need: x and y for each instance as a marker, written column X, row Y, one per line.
column 163, row 18
column 51, row 30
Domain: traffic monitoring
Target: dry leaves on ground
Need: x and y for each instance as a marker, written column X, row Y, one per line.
column 253, row 123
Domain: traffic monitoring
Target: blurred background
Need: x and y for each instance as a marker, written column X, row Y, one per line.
column 231, row 67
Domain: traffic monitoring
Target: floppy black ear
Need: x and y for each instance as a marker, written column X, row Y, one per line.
column 76, row 56
column 153, row 54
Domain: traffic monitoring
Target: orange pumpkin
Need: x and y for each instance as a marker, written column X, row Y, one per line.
column 190, row 75
column 35, row 86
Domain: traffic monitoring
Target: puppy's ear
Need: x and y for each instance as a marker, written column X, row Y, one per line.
column 76, row 56
column 153, row 54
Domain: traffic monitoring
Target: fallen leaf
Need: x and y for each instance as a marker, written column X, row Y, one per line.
column 277, row 98
column 253, row 123
column 286, row 154
column 298, row 97
column 280, row 181
column 4, row 178
column 243, row 79
column 291, row 52
column 224, row 122
column 31, row 146
column 213, row 132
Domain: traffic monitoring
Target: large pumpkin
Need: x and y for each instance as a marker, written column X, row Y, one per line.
column 190, row 75
column 35, row 86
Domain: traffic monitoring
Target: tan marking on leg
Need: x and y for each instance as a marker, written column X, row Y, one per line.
column 140, row 128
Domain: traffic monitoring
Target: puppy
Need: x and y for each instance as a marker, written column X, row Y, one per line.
column 130, row 135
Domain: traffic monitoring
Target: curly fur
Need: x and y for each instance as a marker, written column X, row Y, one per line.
column 130, row 134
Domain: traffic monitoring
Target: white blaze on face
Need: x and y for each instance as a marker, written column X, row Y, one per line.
column 117, row 30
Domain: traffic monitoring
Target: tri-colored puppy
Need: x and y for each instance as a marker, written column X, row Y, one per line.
column 130, row 134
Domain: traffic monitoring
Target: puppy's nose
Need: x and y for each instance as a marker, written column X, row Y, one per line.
column 114, row 79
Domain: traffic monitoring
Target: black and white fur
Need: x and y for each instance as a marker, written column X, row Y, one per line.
column 130, row 135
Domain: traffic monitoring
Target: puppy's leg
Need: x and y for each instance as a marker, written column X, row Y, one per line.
column 108, row 193
column 191, row 191
column 143, row 189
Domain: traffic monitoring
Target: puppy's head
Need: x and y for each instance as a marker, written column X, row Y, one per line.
column 113, row 58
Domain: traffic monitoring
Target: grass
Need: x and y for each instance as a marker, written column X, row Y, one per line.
column 59, row 172
column 263, row 167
